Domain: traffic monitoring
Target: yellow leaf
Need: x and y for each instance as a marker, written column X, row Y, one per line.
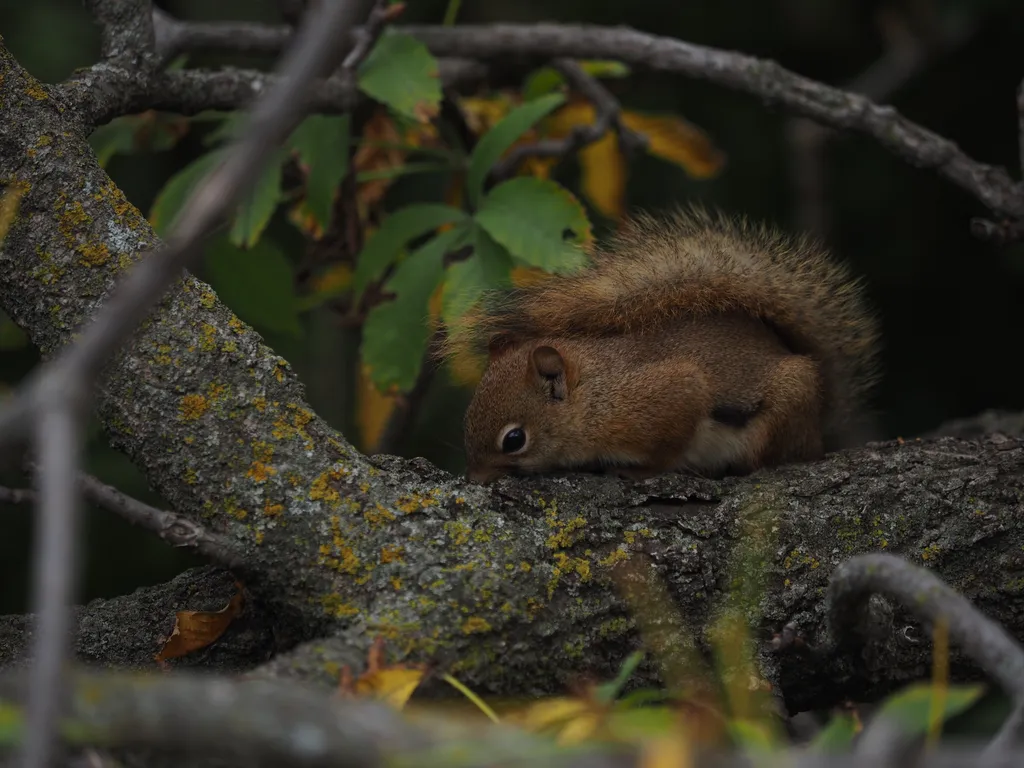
column 372, row 409
column 337, row 277
column 197, row 629
column 678, row 141
column 667, row 752
column 603, row 176
column 393, row 684
column 549, row 713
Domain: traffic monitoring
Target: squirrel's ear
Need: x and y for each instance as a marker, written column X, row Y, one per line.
column 499, row 343
column 550, row 368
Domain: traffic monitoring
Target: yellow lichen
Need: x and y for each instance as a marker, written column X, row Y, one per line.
column 216, row 390
column 392, row 554
column 339, row 556
column 615, row 556
column 321, row 490
column 260, row 404
column 333, row 605
column 378, row 515
column 191, row 407
column 475, row 624
column 272, row 510
column 207, row 337
column 458, row 531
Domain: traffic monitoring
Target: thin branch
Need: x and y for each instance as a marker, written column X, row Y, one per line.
column 17, row 495
column 101, row 93
column 1020, row 123
column 54, row 568
column 382, row 14
column 176, row 530
column 926, row 596
column 314, row 54
column 607, row 116
column 174, row 37
column 991, row 185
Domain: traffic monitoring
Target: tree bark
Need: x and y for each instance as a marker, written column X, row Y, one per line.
column 512, row 587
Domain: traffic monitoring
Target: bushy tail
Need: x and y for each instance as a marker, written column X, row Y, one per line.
column 690, row 263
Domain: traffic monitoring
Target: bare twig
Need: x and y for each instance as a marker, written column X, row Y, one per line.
column 366, row 36
column 918, row 146
column 176, row 530
column 99, row 94
column 1020, row 123
column 607, row 116
column 927, row 597
column 17, row 495
column 174, row 37
column 54, row 567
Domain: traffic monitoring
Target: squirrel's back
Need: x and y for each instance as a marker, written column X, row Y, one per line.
column 694, row 263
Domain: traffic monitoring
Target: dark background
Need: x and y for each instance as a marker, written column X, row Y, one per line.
column 949, row 304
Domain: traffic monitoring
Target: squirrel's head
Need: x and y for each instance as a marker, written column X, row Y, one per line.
column 520, row 414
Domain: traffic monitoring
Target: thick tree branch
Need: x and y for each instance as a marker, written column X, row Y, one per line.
column 129, row 630
column 126, row 31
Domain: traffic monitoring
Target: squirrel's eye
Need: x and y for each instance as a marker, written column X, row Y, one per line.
column 513, row 441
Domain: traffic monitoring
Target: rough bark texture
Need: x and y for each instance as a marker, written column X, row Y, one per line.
column 128, row 631
column 509, row 587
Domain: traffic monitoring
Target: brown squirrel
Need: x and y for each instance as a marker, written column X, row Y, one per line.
column 696, row 342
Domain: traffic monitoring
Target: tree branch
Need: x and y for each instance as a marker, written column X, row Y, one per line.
column 126, row 31
column 773, row 84
column 176, row 530
column 127, row 631
column 607, row 116
column 930, row 600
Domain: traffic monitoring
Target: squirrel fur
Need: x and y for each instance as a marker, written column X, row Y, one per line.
column 693, row 342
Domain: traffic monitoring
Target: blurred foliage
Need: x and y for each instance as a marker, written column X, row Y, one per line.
column 947, row 301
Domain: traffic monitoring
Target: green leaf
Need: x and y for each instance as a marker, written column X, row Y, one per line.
column 529, row 216
column 608, row 691
column 322, row 143
column 912, row 706
column 257, row 284
column 396, row 333
column 175, row 192
column 384, row 246
column 492, row 145
column 547, row 79
column 753, row 735
column 489, row 267
column 256, row 208
column 125, row 135
column 837, row 736
column 402, row 73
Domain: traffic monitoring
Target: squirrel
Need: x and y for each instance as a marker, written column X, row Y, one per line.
column 695, row 342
